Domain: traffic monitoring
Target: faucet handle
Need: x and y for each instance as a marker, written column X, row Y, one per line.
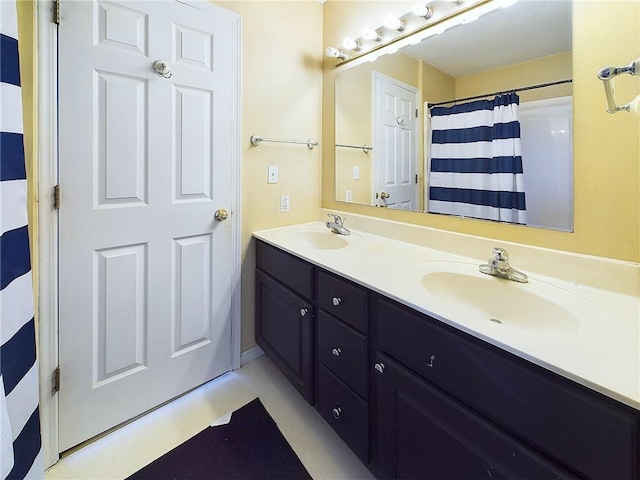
column 336, row 218
column 500, row 254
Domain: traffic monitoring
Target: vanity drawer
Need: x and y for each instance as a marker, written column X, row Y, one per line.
column 347, row 413
column 343, row 350
column 589, row 433
column 344, row 299
column 293, row 272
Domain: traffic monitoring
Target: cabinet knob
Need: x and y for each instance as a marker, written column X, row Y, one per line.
column 336, row 352
column 303, row 312
column 379, row 367
column 336, row 301
column 336, row 412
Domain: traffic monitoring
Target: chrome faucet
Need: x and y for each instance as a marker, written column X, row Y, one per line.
column 498, row 266
column 337, row 226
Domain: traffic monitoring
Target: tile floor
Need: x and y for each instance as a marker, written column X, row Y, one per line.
column 129, row 448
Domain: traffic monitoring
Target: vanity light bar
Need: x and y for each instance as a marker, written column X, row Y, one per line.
column 446, row 16
column 397, row 30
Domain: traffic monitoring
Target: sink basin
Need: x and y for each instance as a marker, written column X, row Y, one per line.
column 535, row 306
column 324, row 240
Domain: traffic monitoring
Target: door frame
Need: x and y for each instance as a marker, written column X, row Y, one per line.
column 377, row 78
column 48, row 177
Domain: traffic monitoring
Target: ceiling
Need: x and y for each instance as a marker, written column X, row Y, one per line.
column 525, row 31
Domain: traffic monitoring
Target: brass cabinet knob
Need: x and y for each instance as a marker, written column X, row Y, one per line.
column 336, row 412
column 336, row 301
column 221, row 215
column 379, row 367
column 336, row 352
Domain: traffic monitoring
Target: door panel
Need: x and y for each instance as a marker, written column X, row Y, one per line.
column 395, row 131
column 145, row 161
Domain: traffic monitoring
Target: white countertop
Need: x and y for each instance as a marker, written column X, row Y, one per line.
column 601, row 351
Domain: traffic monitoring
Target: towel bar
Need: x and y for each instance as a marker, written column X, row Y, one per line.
column 257, row 139
column 365, row 148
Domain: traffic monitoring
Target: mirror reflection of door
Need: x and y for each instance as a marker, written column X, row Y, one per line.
column 395, row 129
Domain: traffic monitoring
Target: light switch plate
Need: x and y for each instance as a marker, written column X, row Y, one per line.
column 356, row 172
column 272, row 175
column 349, row 196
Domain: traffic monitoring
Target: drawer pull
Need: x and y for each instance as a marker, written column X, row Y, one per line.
column 336, row 352
column 336, row 301
column 303, row 312
column 336, row 412
column 432, row 358
column 379, row 367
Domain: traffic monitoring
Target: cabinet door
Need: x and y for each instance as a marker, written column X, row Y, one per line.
column 423, row 433
column 283, row 330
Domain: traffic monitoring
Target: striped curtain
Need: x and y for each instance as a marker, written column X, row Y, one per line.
column 476, row 164
column 20, row 445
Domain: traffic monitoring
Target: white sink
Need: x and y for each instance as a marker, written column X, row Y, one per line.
column 319, row 239
column 536, row 306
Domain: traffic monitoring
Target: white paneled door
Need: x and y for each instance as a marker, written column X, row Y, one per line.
column 395, row 129
column 146, row 160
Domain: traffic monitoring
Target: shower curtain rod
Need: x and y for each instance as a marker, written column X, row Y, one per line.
column 514, row 90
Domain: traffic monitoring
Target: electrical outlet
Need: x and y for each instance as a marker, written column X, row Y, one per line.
column 272, row 176
column 284, row 203
column 356, row 172
column 349, row 196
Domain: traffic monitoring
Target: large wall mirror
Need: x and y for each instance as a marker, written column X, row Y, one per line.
column 386, row 153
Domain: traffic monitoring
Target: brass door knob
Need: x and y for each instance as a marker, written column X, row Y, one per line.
column 221, row 215
column 384, row 195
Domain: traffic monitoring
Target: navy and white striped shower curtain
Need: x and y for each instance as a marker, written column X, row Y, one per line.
column 476, row 164
column 20, row 444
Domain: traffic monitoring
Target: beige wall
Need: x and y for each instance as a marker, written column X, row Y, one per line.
column 606, row 147
column 281, row 98
column 543, row 70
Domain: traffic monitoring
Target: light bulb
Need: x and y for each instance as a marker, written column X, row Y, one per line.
column 335, row 53
column 421, row 10
column 394, row 23
column 351, row 44
column 370, row 34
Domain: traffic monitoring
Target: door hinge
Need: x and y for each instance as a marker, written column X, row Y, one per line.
column 56, row 380
column 56, row 12
column 416, row 113
column 56, row 197
column 416, row 178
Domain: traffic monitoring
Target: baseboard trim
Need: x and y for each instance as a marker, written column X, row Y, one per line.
column 251, row 354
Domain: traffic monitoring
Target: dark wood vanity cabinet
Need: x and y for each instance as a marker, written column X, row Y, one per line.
column 471, row 395
column 416, row 398
column 342, row 343
column 423, row 433
column 284, row 315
